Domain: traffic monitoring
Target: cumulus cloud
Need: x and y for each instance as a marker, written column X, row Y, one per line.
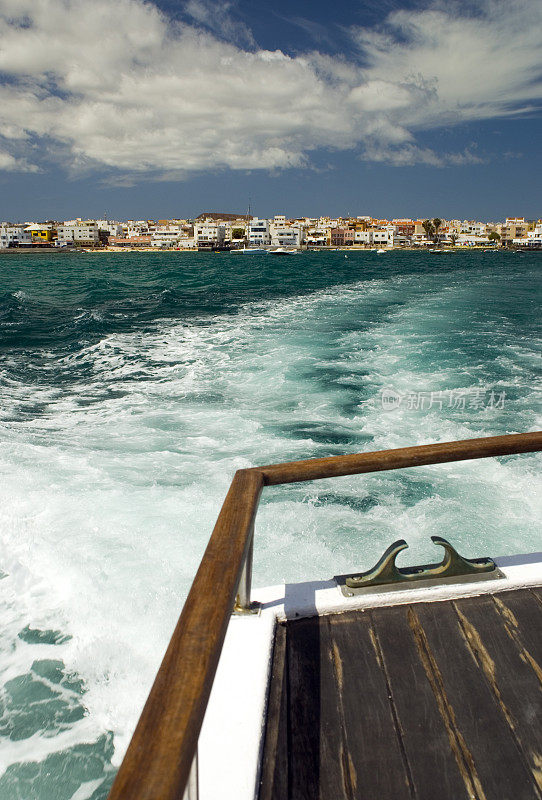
column 482, row 60
column 123, row 88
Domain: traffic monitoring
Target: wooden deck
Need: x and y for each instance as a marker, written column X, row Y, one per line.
column 433, row 701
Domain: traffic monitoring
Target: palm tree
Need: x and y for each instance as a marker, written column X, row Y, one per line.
column 429, row 228
column 436, row 225
column 453, row 238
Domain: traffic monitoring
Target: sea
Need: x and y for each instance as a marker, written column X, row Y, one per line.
column 134, row 385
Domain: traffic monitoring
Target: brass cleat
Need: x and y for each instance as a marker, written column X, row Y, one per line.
column 387, row 574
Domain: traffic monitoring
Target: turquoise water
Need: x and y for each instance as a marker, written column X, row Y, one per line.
column 134, row 385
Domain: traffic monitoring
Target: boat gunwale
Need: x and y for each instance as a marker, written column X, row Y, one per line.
column 158, row 761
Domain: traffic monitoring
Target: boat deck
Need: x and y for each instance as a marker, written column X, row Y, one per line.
column 429, row 700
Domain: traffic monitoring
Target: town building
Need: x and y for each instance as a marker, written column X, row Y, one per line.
column 110, row 227
column 532, row 238
column 130, row 241
column 41, row 233
column 342, row 237
column 259, row 232
column 209, row 234
column 79, row 233
column 284, row 235
column 513, row 228
column 14, row 236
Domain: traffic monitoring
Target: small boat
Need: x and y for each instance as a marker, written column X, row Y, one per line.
column 280, row 251
column 253, row 250
column 381, row 250
column 388, row 683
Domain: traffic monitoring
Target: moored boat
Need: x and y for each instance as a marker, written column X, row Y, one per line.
column 281, row 251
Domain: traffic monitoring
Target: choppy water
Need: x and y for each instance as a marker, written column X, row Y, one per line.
column 133, row 386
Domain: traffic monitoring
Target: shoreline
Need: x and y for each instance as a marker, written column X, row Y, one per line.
column 105, row 250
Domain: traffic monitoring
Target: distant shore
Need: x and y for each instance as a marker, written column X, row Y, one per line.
column 106, row 250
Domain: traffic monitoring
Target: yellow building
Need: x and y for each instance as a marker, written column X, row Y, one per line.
column 42, row 233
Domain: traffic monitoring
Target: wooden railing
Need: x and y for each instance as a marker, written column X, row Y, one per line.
column 159, row 758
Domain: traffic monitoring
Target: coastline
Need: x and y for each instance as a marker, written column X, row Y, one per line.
column 353, row 249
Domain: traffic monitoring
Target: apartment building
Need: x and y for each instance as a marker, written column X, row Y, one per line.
column 384, row 237
column 110, row 227
column 404, row 227
column 532, row 238
column 209, row 234
column 79, row 233
column 342, row 237
column 14, row 236
column 283, row 235
column 513, row 228
column 259, row 232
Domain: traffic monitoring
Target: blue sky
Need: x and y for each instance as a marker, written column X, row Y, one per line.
column 165, row 109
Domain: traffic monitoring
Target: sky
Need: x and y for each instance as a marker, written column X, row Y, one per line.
column 133, row 109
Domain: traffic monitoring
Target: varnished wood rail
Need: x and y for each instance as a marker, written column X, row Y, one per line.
column 158, row 760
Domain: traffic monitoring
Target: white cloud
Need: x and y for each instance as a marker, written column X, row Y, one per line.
column 9, row 163
column 408, row 155
column 479, row 66
column 121, row 86
column 220, row 19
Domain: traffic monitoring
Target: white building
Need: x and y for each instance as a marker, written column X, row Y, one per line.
column 283, row 235
column 259, row 232
column 14, row 235
column 380, row 237
column 317, row 238
column 532, row 238
column 474, row 228
column 110, row 227
column 383, row 237
column 165, row 236
column 133, row 228
column 78, row 232
column 209, row 233
column 471, row 239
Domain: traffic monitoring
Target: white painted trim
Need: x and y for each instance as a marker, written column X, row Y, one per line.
column 290, row 601
column 232, row 734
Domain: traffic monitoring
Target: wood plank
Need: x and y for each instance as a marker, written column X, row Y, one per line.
column 373, row 765
column 303, row 657
column 337, row 780
column 274, row 775
column 340, row 715
column 516, row 688
column 494, row 760
column 522, row 614
column 431, row 749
